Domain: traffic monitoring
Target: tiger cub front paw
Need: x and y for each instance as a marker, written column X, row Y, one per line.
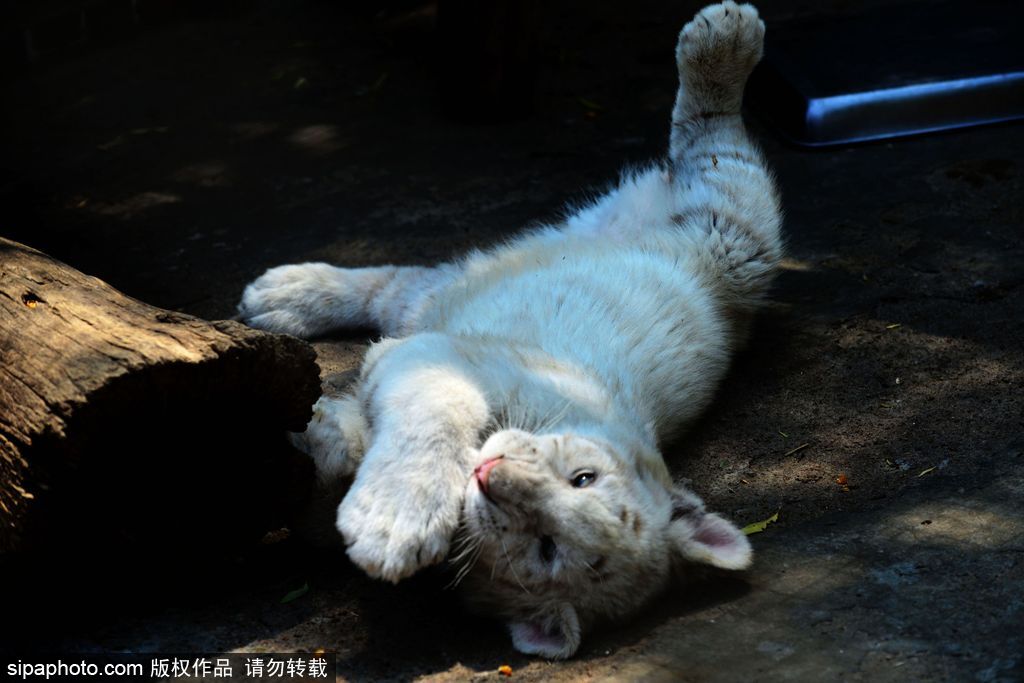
column 296, row 300
column 397, row 520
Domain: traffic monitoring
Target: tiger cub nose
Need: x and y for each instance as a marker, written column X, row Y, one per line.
column 483, row 471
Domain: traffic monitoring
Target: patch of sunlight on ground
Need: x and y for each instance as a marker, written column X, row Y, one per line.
column 135, row 204
column 955, row 524
column 317, row 138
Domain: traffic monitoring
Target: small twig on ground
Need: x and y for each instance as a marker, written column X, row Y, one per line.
column 798, row 448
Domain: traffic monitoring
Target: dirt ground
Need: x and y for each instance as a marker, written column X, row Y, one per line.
column 181, row 162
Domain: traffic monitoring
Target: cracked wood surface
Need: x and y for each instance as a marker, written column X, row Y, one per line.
column 68, row 340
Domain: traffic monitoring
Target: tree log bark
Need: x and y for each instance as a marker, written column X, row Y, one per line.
column 125, row 425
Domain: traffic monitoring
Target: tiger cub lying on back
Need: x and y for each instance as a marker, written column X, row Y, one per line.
column 520, row 395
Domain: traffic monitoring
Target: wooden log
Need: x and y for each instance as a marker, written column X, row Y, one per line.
column 123, row 425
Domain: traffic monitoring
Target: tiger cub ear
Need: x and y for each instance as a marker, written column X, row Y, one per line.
column 553, row 633
column 705, row 537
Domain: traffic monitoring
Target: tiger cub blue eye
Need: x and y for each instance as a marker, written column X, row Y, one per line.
column 583, row 478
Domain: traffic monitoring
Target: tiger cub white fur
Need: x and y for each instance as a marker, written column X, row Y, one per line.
column 515, row 408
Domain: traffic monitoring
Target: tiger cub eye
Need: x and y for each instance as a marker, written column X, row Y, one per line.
column 583, row 478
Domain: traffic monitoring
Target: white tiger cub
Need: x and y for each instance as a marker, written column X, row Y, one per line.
column 520, row 396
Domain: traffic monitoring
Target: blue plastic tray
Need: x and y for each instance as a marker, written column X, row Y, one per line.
column 890, row 71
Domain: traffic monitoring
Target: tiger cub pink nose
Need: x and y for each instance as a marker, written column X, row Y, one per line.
column 483, row 470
